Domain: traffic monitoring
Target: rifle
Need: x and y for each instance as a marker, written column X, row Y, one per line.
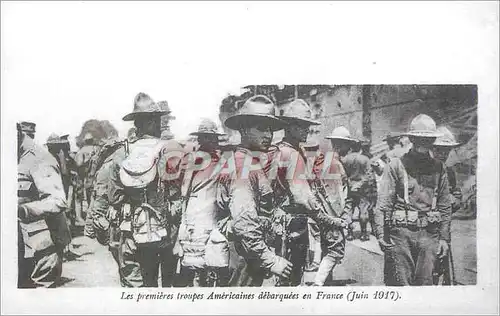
column 444, row 270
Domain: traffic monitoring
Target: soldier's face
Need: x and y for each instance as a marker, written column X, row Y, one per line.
column 441, row 152
column 208, row 142
column 298, row 131
column 422, row 144
column 341, row 146
column 257, row 138
column 149, row 125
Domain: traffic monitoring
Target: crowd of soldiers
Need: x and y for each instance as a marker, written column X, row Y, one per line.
column 260, row 224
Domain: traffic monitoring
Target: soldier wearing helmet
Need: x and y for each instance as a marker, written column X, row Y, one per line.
column 442, row 148
column 294, row 194
column 412, row 217
column 342, row 142
column 246, row 200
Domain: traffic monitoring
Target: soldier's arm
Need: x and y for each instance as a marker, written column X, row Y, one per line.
column 385, row 200
column 444, row 205
column 52, row 199
column 245, row 223
column 101, row 202
column 116, row 194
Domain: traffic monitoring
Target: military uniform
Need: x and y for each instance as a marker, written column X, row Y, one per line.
column 43, row 230
column 148, row 225
column 298, row 200
column 246, row 203
column 334, row 192
column 82, row 159
column 413, row 213
column 363, row 188
column 204, row 251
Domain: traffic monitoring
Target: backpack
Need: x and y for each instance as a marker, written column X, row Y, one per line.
column 138, row 173
column 99, row 157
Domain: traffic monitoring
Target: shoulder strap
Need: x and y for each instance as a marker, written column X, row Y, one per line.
column 406, row 196
column 436, row 188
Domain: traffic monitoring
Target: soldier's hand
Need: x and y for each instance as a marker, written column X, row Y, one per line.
column 21, row 213
column 339, row 222
column 177, row 250
column 457, row 194
column 282, row 267
column 112, row 214
column 443, row 249
column 384, row 245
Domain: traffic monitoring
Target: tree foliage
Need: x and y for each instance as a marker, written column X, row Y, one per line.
column 100, row 130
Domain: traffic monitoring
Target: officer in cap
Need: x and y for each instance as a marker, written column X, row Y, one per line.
column 206, row 266
column 28, row 128
column 140, row 201
column 442, row 148
column 42, row 228
column 247, row 200
column 294, row 195
column 412, row 217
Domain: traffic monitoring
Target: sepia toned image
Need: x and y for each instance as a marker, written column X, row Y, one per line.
column 294, row 185
column 267, row 157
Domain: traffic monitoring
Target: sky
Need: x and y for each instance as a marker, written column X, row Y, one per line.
column 70, row 62
column 66, row 62
column 63, row 63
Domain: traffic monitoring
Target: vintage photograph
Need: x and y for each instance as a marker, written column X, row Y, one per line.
column 249, row 157
column 293, row 185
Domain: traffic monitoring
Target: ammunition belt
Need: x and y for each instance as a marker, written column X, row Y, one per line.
column 401, row 218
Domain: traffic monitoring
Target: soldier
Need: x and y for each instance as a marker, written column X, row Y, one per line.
column 96, row 222
column 140, row 201
column 83, row 158
column 396, row 148
column 442, row 148
column 28, row 128
column 363, row 187
column 333, row 191
column 59, row 147
column 167, row 135
column 247, row 200
column 342, row 142
column 293, row 194
column 412, row 217
column 198, row 232
column 43, row 230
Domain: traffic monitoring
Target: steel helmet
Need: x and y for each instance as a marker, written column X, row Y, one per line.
column 447, row 139
column 341, row 133
column 255, row 110
column 297, row 111
column 423, row 126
